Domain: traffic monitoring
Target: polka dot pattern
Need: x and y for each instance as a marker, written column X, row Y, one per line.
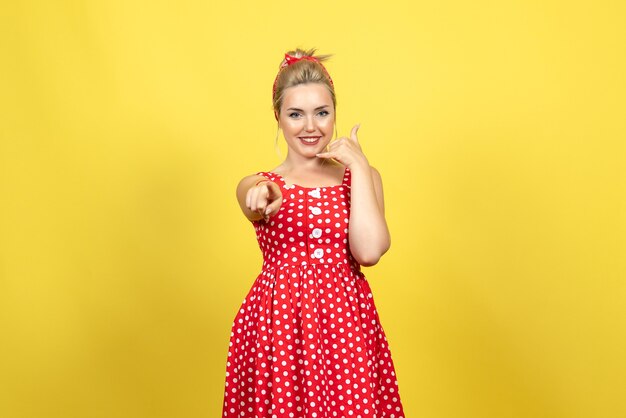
column 307, row 341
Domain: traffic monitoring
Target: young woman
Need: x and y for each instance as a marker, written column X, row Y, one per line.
column 307, row 340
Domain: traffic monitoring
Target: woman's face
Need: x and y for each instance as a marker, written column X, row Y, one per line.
column 307, row 118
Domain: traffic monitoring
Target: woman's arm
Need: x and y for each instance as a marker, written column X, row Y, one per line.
column 368, row 232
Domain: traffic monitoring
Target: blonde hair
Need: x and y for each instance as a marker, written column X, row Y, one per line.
column 301, row 72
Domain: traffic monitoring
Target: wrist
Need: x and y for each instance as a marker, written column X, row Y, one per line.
column 361, row 165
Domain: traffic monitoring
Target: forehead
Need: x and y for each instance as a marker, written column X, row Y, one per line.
column 307, row 95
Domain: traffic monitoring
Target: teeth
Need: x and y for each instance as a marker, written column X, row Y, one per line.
column 310, row 139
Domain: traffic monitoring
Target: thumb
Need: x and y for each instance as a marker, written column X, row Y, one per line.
column 274, row 191
column 355, row 128
column 272, row 207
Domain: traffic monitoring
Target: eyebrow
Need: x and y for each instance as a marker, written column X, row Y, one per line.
column 295, row 108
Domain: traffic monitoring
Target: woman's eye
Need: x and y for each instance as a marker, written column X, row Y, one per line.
column 296, row 114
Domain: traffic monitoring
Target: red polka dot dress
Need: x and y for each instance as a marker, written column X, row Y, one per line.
column 307, row 341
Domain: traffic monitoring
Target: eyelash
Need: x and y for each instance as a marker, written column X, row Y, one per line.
column 296, row 113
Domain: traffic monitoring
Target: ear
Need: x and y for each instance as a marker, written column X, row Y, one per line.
column 276, row 115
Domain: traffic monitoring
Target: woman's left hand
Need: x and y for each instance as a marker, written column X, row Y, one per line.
column 347, row 151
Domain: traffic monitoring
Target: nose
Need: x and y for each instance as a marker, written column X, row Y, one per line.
column 310, row 124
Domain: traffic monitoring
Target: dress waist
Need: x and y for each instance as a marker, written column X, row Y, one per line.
column 304, row 265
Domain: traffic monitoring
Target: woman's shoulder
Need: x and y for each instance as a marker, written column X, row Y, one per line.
column 276, row 170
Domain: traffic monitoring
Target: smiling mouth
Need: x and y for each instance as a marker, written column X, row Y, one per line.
column 310, row 139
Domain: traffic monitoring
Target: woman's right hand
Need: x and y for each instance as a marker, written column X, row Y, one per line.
column 264, row 198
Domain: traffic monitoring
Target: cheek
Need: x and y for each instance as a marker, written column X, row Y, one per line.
column 291, row 125
column 327, row 124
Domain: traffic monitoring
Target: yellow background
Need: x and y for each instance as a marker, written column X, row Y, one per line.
column 499, row 131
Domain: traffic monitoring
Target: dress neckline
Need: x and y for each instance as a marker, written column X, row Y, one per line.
column 343, row 181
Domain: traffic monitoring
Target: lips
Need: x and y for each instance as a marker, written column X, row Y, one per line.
column 310, row 140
